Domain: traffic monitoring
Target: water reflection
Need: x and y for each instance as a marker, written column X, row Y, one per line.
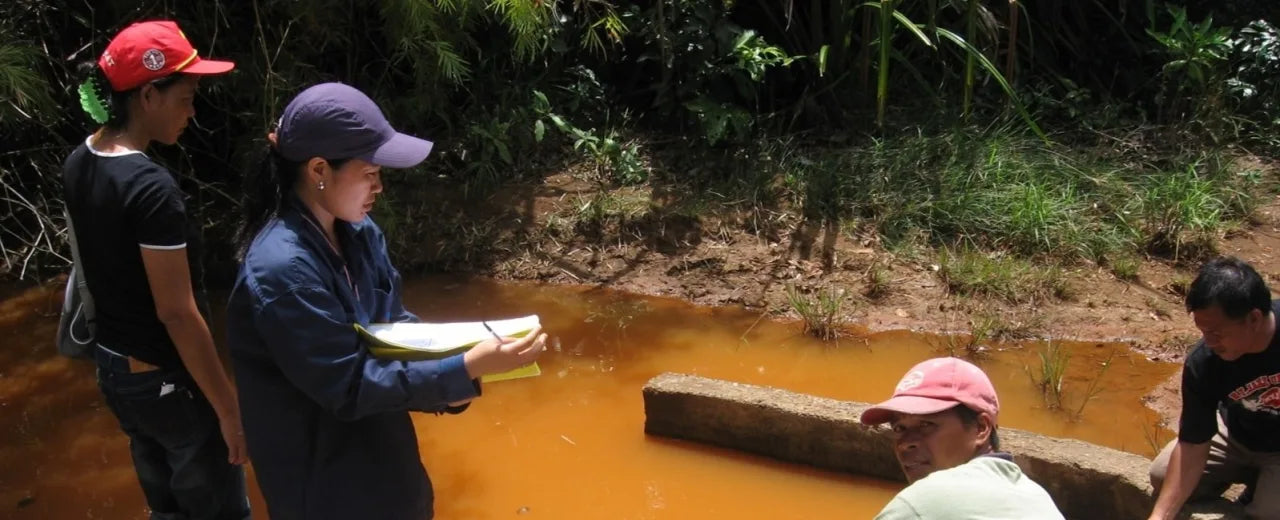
column 570, row 443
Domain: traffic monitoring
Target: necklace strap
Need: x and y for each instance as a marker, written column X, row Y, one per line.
column 334, row 246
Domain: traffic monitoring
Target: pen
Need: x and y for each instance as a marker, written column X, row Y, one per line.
column 495, row 334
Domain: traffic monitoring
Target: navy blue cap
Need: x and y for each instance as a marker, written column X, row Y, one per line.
column 337, row 121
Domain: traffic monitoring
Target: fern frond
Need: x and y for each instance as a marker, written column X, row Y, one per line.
column 451, row 64
column 610, row 24
column 528, row 22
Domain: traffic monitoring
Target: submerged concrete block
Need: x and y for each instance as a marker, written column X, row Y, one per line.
column 1085, row 480
column 792, row 427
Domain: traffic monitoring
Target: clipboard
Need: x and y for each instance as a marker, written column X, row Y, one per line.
column 434, row 341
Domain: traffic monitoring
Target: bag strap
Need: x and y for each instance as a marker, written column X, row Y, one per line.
column 83, row 287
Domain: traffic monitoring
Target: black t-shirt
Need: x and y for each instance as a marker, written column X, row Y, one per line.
column 1245, row 391
column 119, row 203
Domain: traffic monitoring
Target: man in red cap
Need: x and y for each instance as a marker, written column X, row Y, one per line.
column 943, row 414
column 158, row 370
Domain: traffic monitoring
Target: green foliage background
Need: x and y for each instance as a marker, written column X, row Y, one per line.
column 518, row 88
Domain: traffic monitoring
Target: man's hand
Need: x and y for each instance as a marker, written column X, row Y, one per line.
column 1186, row 466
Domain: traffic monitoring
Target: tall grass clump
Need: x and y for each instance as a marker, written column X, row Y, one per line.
column 879, row 282
column 970, row 345
column 1050, row 373
column 25, row 91
column 972, row 273
column 820, row 312
column 1125, row 267
column 1185, row 210
column 1178, row 209
column 1179, row 285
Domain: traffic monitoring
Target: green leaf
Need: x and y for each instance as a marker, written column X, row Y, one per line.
column 913, row 27
column 906, row 22
column 540, row 103
column 995, row 73
column 822, row 60
column 560, row 123
column 503, row 152
column 539, row 130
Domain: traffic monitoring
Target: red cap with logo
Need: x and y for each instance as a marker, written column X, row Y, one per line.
column 935, row 385
column 147, row 51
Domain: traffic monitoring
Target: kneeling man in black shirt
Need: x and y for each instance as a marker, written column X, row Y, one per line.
column 1230, row 427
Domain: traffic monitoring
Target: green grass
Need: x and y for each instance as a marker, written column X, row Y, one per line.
column 879, row 282
column 1180, row 284
column 21, row 84
column 983, row 327
column 1125, row 267
column 1004, row 190
column 1179, row 209
column 973, row 344
column 1050, row 373
column 819, row 312
column 619, row 205
column 1016, row 280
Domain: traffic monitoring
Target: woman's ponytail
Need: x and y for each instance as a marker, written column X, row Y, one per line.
column 105, row 106
column 264, row 193
column 96, row 96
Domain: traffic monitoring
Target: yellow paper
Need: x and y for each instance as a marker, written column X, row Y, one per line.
column 530, row 370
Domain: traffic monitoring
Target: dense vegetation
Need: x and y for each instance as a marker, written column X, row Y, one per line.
column 1070, row 130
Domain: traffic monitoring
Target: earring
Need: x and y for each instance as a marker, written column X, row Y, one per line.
column 321, row 185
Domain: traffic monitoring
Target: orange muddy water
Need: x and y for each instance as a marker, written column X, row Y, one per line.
column 568, row 444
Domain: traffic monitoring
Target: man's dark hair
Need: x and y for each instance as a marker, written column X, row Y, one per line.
column 1230, row 284
column 969, row 417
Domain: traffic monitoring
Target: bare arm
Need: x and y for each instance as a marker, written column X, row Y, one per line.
column 1186, row 465
column 170, row 279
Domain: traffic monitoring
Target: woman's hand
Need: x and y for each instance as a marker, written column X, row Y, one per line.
column 233, row 435
column 494, row 357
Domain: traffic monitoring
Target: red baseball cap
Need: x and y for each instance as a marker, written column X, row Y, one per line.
column 147, row 51
column 935, row 385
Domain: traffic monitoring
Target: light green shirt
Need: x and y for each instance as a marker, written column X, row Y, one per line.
column 985, row 488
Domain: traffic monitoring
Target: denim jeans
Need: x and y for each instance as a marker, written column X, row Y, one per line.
column 177, row 447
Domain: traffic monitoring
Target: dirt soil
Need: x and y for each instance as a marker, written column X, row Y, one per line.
column 732, row 260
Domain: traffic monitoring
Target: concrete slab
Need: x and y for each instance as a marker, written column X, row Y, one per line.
column 1085, row 480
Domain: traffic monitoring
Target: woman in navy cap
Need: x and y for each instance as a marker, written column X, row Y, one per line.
column 327, row 423
column 157, row 366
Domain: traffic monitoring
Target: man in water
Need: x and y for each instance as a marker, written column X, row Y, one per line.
column 943, row 414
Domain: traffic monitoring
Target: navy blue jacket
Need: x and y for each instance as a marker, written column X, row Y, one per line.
column 327, row 424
